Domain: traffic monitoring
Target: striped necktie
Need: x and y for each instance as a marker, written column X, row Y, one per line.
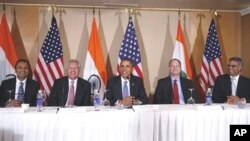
column 20, row 94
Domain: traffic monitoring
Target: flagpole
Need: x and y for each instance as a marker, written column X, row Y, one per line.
column 3, row 7
column 179, row 14
column 116, row 7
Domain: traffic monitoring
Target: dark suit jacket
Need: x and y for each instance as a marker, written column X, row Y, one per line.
column 31, row 90
column 164, row 91
column 137, row 90
column 60, row 90
column 222, row 88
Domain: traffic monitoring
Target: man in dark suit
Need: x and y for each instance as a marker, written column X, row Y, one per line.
column 70, row 90
column 232, row 87
column 21, row 89
column 126, row 89
column 174, row 88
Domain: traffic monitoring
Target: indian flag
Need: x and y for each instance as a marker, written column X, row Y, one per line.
column 94, row 64
column 8, row 55
column 180, row 52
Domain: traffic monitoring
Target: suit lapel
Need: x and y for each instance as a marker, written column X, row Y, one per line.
column 118, row 87
column 65, row 89
column 183, row 88
column 79, row 89
column 27, row 87
column 12, row 87
column 240, row 83
column 132, row 86
column 228, row 86
column 169, row 89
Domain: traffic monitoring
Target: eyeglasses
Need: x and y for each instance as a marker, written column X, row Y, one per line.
column 233, row 66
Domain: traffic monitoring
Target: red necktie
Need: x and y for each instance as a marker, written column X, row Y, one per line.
column 176, row 93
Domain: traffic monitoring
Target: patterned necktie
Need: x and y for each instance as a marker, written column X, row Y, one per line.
column 71, row 97
column 233, row 86
column 20, row 94
column 176, row 93
column 125, row 89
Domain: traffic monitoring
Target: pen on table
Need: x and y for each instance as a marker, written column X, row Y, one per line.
column 133, row 108
column 57, row 110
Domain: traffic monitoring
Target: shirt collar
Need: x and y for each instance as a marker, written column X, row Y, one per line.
column 75, row 80
column 18, row 81
column 124, row 79
column 175, row 78
column 235, row 77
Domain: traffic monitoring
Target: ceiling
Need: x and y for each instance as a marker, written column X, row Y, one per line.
column 235, row 5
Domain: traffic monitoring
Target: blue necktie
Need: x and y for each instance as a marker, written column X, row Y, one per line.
column 20, row 94
column 125, row 89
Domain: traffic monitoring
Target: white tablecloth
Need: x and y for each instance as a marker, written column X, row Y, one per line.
column 144, row 123
column 111, row 125
column 187, row 123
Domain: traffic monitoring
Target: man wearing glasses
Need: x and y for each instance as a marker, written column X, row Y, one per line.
column 232, row 87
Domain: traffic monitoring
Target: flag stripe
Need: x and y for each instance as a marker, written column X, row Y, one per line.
column 6, row 42
column 45, row 71
column 94, row 64
column 181, row 53
column 211, row 65
column 42, row 73
column 130, row 49
column 60, row 67
column 8, row 54
column 50, row 71
column 50, row 61
column 138, row 70
column 96, row 52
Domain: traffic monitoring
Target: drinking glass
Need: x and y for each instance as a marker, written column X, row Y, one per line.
column 10, row 94
column 105, row 101
column 191, row 99
column 44, row 94
column 242, row 103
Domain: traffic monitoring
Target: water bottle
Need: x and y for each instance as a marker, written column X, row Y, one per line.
column 39, row 101
column 97, row 101
column 209, row 97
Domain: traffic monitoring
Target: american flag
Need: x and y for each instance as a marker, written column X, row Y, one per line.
column 130, row 49
column 50, row 61
column 211, row 65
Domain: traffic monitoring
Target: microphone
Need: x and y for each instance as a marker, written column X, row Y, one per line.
column 132, row 92
column 57, row 110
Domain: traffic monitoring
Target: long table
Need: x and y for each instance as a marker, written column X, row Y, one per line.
column 142, row 123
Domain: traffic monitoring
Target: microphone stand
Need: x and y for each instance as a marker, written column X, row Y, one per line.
column 132, row 88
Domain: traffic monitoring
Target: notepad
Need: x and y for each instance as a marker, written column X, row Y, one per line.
column 72, row 110
column 209, row 107
column 12, row 110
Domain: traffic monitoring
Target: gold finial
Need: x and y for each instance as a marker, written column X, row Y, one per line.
column 53, row 8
